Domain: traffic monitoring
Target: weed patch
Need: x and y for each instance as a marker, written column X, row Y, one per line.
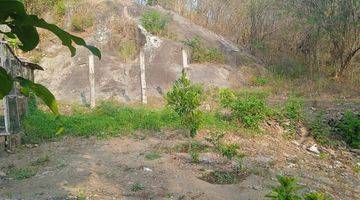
column 22, row 173
column 81, row 21
column 137, row 187
column 248, row 107
column 41, row 160
column 195, row 156
column 152, row 156
column 201, row 54
column 349, row 128
column 223, row 177
column 187, row 147
column 259, row 81
column 128, row 50
column 229, row 151
column 107, row 120
column 289, row 189
column 155, row 22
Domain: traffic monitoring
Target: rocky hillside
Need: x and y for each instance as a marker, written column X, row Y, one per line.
column 114, row 24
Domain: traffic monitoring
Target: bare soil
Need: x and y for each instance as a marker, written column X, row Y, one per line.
column 108, row 169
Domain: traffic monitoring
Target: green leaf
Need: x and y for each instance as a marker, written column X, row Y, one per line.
column 6, row 83
column 27, row 35
column 41, row 91
column 9, row 8
column 13, row 14
column 66, row 38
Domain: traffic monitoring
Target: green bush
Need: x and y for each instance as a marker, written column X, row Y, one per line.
column 155, row 22
column 293, row 109
column 288, row 189
column 229, row 151
column 317, row 196
column 226, row 97
column 259, row 81
column 137, row 187
column 249, row 107
column 22, row 173
column 185, row 99
column 202, row 54
column 195, row 156
column 349, row 128
column 320, row 130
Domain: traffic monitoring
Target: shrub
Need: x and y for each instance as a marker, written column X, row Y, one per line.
column 195, row 156
column 155, row 22
column 215, row 137
column 81, row 21
column 223, row 177
column 287, row 190
column 128, row 50
column 229, row 151
column 202, row 54
column 226, row 97
column 349, row 128
column 60, row 8
column 185, row 99
column 317, row 196
column 259, row 81
column 249, row 107
column 320, row 130
column 293, row 109
column 22, row 173
column 137, row 187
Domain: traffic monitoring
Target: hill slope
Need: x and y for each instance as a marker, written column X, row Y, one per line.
column 68, row 77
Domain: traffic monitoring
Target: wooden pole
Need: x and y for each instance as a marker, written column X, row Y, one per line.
column 92, row 81
column 185, row 59
column 143, row 77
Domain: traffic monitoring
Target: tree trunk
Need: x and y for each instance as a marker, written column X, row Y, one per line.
column 345, row 63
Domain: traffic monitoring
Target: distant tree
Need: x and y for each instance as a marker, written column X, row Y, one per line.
column 336, row 22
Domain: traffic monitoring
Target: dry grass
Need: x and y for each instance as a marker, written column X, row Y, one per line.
column 123, row 39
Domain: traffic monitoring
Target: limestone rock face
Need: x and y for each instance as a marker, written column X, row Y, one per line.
column 68, row 78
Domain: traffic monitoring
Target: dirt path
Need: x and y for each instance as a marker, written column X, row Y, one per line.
column 76, row 168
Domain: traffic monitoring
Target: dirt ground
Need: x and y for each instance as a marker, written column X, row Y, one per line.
column 88, row 168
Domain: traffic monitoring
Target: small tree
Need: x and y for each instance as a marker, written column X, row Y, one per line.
column 185, row 99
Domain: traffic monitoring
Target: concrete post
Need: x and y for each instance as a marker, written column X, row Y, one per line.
column 92, row 81
column 185, row 59
column 143, row 77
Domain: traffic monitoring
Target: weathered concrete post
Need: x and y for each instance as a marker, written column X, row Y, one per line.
column 143, row 77
column 92, row 81
column 185, row 59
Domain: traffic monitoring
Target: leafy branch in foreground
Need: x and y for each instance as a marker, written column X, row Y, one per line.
column 22, row 26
